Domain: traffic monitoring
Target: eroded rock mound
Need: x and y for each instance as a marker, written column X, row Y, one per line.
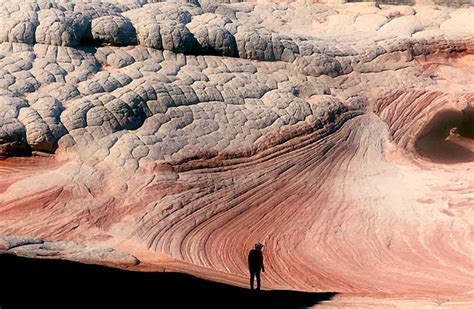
column 113, row 30
column 178, row 134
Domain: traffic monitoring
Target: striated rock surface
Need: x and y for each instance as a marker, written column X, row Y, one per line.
column 174, row 135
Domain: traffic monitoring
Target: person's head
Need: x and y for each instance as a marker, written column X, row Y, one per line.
column 258, row 246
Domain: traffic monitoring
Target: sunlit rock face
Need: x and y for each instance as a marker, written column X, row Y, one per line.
column 176, row 135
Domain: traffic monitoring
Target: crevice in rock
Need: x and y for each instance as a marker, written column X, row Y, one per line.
column 447, row 138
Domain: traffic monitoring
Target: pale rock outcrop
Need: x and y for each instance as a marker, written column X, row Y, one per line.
column 33, row 248
column 61, row 28
column 114, row 30
column 162, row 26
column 212, row 35
column 317, row 65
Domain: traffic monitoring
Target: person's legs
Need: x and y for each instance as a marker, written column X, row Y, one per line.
column 257, row 273
column 252, row 276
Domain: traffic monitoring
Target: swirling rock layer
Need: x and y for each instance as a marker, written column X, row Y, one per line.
column 176, row 135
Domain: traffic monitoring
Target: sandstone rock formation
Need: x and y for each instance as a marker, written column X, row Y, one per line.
column 175, row 135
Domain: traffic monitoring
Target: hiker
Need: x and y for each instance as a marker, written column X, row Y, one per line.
column 255, row 260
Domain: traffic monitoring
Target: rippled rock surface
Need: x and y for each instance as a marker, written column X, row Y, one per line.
column 174, row 135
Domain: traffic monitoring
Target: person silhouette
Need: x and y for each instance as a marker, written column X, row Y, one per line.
column 255, row 260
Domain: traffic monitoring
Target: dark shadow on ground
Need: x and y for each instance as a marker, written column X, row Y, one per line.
column 62, row 284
